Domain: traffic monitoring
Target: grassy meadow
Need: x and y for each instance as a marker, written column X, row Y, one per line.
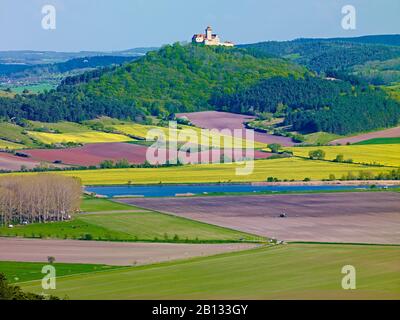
column 293, row 271
column 119, row 222
column 320, row 137
column 28, row 271
column 380, row 141
column 60, row 127
column 10, row 145
column 15, row 133
column 103, row 205
column 33, row 88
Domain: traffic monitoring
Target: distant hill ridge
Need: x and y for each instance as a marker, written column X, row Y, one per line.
column 386, row 39
column 323, row 55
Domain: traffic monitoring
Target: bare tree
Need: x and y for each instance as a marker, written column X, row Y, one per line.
column 38, row 198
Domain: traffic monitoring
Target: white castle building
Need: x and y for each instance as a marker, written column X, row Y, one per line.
column 210, row 39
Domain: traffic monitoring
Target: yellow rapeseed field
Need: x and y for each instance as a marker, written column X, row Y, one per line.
column 78, row 137
column 10, row 145
column 289, row 168
column 384, row 154
column 183, row 134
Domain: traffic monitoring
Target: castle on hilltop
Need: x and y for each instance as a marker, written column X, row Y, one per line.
column 210, row 39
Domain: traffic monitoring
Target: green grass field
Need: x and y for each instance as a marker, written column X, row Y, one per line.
column 294, row 271
column 104, row 205
column 34, row 88
column 288, row 168
column 15, row 133
column 137, row 225
column 28, row 271
column 320, row 138
column 62, row 127
column 379, row 141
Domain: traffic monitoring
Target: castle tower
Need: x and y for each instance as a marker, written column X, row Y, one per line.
column 209, row 33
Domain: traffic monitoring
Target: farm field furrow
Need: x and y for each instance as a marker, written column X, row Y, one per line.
column 232, row 121
column 366, row 217
column 109, row 253
column 308, row 271
column 94, row 153
column 11, row 162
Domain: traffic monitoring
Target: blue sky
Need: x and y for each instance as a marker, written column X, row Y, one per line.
column 122, row 24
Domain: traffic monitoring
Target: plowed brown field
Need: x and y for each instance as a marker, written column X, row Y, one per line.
column 367, row 217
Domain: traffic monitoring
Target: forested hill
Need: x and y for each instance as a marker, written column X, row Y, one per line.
column 323, row 55
column 388, row 39
column 312, row 104
column 175, row 78
column 182, row 78
column 185, row 78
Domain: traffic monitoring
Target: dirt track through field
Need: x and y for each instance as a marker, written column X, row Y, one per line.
column 231, row 121
column 331, row 217
column 110, row 253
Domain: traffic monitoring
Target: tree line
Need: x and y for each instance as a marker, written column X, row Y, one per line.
column 312, row 104
column 328, row 54
column 38, row 198
column 9, row 291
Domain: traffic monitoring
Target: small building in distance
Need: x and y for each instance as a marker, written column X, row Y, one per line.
column 210, row 39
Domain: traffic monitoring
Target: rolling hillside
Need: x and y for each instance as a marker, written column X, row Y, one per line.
column 175, row 78
column 188, row 78
column 182, row 78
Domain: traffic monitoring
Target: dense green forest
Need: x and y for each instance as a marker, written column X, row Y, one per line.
column 182, row 78
column 275, row 93
column 364, row 110
column 324, row 55
column 387, row 39
column 313, row 104
column 378, row 72
column 175, row 78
